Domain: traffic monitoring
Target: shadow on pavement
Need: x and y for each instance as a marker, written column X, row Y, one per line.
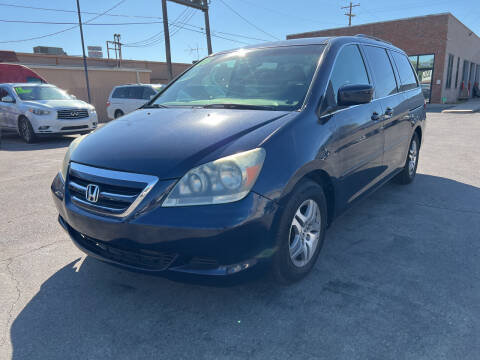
column 13, row 142
column 396, row 279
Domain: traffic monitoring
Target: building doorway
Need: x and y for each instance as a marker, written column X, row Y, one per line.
column 423, row 65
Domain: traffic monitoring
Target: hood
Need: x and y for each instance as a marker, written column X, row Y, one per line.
column 59, row 104
column 169, row 142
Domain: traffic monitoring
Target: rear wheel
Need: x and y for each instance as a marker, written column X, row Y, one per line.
column 301, row 232
column 410, row 169
column 26, row 131
column 118, row 113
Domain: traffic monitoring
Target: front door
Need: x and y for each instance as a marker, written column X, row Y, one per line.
column 358, row 136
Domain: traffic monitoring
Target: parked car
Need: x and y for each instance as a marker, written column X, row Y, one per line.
column 16, row 73
column 42, row 109
column 245, row 159
column 127, row 98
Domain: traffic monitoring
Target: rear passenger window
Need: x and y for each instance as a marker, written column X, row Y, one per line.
column 136, row 92
column 148, row 92
column 385, row 83
column 349, row 69
column 120, row 93
column 407, row 76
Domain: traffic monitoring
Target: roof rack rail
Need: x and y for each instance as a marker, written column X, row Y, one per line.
column 373, row 38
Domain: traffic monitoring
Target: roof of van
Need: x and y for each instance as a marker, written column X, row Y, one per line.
column 360, row 38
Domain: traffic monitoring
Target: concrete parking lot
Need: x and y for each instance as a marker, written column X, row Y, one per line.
column 398, row 278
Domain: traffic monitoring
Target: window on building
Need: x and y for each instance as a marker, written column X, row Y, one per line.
column 424, row 68
column 448, row 83
column 456, row 73
column 465, row 71
column 349, row 69
column 407, row 76
column 385, row 83
column 426, row 61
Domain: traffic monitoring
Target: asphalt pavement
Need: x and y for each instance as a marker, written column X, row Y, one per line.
column 398, row 277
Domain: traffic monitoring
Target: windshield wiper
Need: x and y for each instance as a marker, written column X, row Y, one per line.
column 238, row 106
column 153, row 106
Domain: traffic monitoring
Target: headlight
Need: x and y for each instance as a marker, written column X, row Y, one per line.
column 66, row 159
column 221, row 181
column 39, row 111
column 92, row 111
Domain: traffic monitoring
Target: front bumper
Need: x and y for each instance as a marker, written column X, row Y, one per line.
column 214, row 240
column 49, row 124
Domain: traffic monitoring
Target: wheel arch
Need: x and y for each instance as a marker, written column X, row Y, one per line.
column 418, row 131
column 322, row 178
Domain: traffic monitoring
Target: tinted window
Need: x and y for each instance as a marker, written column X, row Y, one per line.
column 120, row 93
column 3, row 93
column 135, row 92
column 349, row 69
column 385, row 83
column 405, row 71
column 148, row 92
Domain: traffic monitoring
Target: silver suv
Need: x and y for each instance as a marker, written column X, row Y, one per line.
column 40, row 109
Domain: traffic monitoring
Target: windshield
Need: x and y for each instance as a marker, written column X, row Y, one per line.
column 272, row 78
column 41, row 93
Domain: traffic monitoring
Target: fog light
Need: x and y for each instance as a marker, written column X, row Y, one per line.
column 43, row 127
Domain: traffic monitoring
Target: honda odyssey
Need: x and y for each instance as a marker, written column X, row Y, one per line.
column 245, row 159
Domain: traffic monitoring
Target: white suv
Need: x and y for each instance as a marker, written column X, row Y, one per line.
column 127, row 98
column 41, row 109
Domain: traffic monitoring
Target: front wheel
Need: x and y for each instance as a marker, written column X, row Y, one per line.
column 300, row 233
column 407, row 175
column 26, row 130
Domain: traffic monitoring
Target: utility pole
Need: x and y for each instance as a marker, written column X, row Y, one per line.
column 167, row 40
column 207, row 30
column 117, row 48
column 349, row 14
column 196, row 4
column 83, row 49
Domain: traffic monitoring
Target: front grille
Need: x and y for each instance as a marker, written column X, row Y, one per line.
column 147, row 259
column 119, row 193
column 74, row 127
column 72, row 114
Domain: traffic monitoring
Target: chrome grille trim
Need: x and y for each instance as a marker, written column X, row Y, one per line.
column 72, row 114
column 131, row 202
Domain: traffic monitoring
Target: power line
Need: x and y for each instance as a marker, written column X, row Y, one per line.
column 74, row 11
column 64, row 30
column 71, row 23
column 248, row 21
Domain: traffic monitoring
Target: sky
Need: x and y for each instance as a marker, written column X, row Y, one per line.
column 234, row 23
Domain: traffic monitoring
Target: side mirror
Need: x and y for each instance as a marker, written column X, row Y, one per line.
column 354, row 95
column 8, row 99
column 73, row 97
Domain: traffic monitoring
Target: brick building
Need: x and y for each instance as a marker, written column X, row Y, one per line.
column 445, row 53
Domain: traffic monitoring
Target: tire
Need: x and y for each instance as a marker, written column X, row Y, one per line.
column 407, row 175
column 26, row 131
column 286, row 267
column 118, row 113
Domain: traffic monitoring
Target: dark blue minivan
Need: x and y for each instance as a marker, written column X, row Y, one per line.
column 245, row 158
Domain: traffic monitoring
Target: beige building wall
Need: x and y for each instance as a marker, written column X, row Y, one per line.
column 102, row 81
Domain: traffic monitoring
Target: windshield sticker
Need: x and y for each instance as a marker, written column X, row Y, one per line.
column 20, row 90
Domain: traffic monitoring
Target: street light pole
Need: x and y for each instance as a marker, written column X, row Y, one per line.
column 83, row 49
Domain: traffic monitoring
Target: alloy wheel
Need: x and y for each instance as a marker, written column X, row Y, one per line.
column 412, row 157
column 304, row 233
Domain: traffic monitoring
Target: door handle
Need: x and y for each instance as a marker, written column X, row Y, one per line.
column 388, row 112
column 375, row 116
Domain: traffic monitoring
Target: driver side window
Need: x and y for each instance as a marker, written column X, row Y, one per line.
column 349, row 69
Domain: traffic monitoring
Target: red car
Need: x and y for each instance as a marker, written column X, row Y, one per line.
column 16, row 73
